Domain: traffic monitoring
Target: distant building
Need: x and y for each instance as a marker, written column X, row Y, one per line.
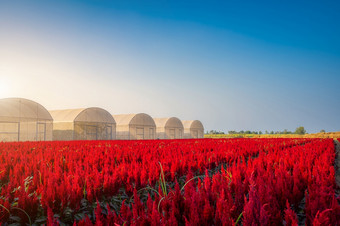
column 24, row 120
column 135, row 127
column 83, row 124
column 169, row 128
column 193, row 129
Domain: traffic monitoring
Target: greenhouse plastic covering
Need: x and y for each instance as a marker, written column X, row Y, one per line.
column 24, row 120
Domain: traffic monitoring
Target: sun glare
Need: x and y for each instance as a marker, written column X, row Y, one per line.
column 4, row 88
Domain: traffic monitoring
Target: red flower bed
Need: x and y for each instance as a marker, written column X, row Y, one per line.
column 191, row 182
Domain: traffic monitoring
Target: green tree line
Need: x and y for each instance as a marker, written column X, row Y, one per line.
column 299, row 130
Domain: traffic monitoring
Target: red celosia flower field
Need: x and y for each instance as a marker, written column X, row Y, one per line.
column 169, row 182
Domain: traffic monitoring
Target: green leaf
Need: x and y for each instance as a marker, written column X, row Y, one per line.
column 15, row 218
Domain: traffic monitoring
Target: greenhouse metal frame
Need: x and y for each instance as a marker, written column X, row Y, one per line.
column 83, row 124
column 193, row 129
column 24, row 120
column 139, row 126
column 169, row 128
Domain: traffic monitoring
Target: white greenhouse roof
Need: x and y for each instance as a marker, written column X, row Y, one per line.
column 83, row 115
column 192, row 124
column 21, row 108
column 134, row 119
column 168, row 122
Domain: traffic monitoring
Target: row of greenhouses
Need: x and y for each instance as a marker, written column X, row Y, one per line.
column 26, row 120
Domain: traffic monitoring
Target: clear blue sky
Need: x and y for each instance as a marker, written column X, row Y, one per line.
column 233, row 65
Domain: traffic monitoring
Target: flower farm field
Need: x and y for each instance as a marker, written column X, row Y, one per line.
column 272, row 181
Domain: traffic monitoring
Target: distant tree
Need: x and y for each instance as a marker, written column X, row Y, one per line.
column 266, row 132
column 247, row 132
column 215, row 132
column 232, row 132
column 241, row 132
column 285, row 131
column 272, row 132
column 260, row 132
column 300, row 130
column 322, row 131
